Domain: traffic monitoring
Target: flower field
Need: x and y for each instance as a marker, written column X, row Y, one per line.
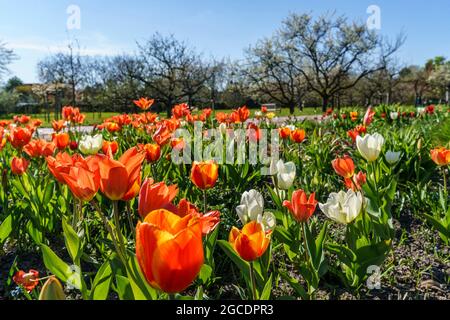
column 244, row 205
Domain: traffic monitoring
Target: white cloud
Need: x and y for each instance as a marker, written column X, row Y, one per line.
column 91, row 45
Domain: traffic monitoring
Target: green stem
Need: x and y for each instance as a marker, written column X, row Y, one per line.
column 204, row 201
column 111, row 232
column 445, row 180
column 252, row 279
column 130, row 220
column 303, row 235
column 117, row 227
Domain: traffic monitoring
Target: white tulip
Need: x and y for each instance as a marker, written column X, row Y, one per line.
column 291, row 127
column 421, row 110
column 343, row 207
column 223, row 128
column 268, row 221
column 251, row 207
column 370, row 146
column 392, row 157
column 285, row 174
column 394, row 115
column 91, row 145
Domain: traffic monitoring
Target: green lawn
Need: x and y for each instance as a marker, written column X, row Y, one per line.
column 96, row 117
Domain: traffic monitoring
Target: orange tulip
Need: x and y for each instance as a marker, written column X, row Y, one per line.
column 120, row 180
column 169, row 250
column 61, row 164
column 112, row 127
column 19, row 165
column 19, row 137
column 298, row 135
column 83, row 182
column 251, row 242
column 39, row 148
column 162, row 134
column 110, row 148
column 180, row 110
column 356, row 182
column 254, row 133
column 27, row 280
column 221, row 117
column 68, row 112
column 152, row 152
column 441, row 156
column 285, row 132
column 354, row 115
column 61, row 140
column 144, row 103
column 204, row 174
column 344, row 167
column 177, row 143
column 301, row 207
column 58, row 125
column 154, row 196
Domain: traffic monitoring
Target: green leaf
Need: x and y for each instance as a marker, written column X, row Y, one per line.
column 295, row 284
column 243, row 265
column 265, row 294
column 72, row 241
column 438, row 225
column 205, row 273
column 141, row 289
column 48, row 194
column 5, row 229
column 61, row 269
column 35, row 234
column 102, row 282
column 124, row 288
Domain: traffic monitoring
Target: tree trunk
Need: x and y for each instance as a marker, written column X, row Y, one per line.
column 325, row 100
column 291, row 108
column 169, row 108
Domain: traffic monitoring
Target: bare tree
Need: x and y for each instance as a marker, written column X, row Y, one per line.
column 64, row 67
column 6, row 57
column 171, row 69
column 275, row 72
column 337, row 54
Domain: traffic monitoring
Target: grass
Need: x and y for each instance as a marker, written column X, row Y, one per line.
column 91, row 118
column 96, row 117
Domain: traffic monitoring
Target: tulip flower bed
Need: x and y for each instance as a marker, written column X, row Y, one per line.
column 354, row 206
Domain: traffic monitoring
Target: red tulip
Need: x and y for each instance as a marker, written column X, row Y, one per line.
column 19, row 165
column 301, row 207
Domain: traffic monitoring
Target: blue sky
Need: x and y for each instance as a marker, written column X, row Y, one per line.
column 221, row 28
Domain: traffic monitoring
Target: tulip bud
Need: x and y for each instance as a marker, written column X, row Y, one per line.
column 52, row 290
column 392, row 157
column 285, row 174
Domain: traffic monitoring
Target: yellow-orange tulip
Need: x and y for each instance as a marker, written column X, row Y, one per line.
column 344, row 167
column 204, row 174
column 441, row 156
column 169, row 250
column 251, row 242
